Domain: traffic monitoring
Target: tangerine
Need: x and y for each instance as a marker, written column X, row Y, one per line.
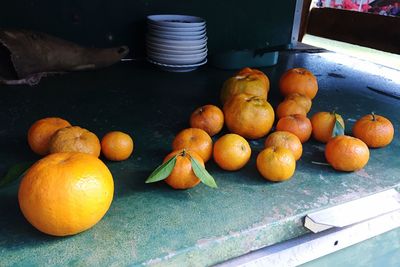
column 375, row 130
column 276, row 163
column 289, row 107
column 301, row 100
column 209, row 118
column 299, row 80
column 286, row 140
column 231, row 152
column 40, row 133
column 297, row 124
column 196, row 140
column 116, row 146
column 346, row 153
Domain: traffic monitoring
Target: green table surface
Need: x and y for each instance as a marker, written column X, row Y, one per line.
column 151, row 224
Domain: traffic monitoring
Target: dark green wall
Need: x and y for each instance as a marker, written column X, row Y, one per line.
column 230, row 24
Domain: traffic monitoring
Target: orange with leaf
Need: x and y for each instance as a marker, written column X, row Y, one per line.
column 209, row 118
column 286, row 140
column 376, row 131
column 182, row 169
column 323, row 124
column 297, row 124
column 249, row 81
column 299, row 80
column 196, row 140
column 231, row 152
column 249, row 116
column 40, row 133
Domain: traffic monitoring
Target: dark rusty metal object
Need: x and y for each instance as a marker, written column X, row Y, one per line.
column 26, row 56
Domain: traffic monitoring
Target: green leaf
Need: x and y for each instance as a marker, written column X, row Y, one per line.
column 15, row 172
column 338, row 129
column 162, row 171
column 202, row 173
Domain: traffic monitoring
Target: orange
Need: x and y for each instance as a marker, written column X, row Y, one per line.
column 276, row 163
column 182, row 175
column 289, row 107
column 209, row 118
column 196, row 140
column 301, row 100
column 253, row 82
column 346, row 153
column 40, row 133
column 116, row 146
column 322, row 125
column 231, row 152
column 297, row 124
column 286, row 140
column 249, row 116
column 66, row 193
column 75, row 139
column 374, row 130
column 298, row 80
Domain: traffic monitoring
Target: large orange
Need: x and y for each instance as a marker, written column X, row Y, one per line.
column 182, row 175
column 276, row 163
column 196, row 140
column 209, row 118
column 297, row 124
column 66, row 193
column 286, row 140
column 231, row 152
column 249, row 116
column 346, row 153
column 247, row 81
column 299, row 80
column 75, row 139
column 40, row 133
column 116, row 146
column 323, row 124
column 374, row 130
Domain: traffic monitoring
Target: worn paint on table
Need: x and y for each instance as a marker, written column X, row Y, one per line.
column 151, row 224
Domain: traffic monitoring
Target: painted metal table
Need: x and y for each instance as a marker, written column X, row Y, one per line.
column 153, row 224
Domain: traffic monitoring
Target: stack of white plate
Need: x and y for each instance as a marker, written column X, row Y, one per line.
column 176, row 42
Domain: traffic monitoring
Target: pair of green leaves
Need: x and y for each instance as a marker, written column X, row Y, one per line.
column 165, row 169
column 338, row 128
column 14, row 173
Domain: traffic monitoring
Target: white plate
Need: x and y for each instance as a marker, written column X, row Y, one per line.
column 152, row 54
column 175, row 52
column 176, row 42
column 156, row 45
column 177, row 68
column 178, row 21
column 177, row 61
column 173, row 29
column 176, row 33
column 175, row 37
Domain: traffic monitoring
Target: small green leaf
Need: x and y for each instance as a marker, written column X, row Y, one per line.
column 338, row 129
column 15, row 172
column 162, row 171
column 202, row 173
